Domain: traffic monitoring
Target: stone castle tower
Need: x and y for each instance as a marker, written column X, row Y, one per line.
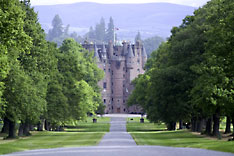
column 121, row 65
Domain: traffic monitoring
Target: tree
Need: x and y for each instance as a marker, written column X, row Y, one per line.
column 14, row 42
column 100, row 30
column 80, row 77
column 151, row 44
column 57, row 29
column 110, row 31
column 91, row 33
column 138, row 37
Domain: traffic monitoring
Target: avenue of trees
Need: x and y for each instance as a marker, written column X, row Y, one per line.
column 40, row 83
column 190, row 78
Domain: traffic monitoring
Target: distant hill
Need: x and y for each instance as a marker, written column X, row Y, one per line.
column 150, row 19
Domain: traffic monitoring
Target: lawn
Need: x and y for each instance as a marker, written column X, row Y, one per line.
column 154, row 134
column 84, row 134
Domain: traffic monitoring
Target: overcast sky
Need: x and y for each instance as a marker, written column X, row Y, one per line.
column 195, row 3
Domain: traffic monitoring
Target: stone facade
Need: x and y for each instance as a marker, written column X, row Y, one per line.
column 121, row 65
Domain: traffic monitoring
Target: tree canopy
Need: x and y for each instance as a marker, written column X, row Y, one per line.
column 190, row 76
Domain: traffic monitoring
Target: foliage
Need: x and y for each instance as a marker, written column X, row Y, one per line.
column 151, row 44
column 100, row 34
column 58, row 33
column 72, row 137
column 190, row 77
column 39, row 81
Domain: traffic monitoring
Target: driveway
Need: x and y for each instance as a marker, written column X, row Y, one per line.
column 120, row 143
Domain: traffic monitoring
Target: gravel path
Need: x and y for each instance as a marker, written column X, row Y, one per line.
column 118, row 135
column 119, row 143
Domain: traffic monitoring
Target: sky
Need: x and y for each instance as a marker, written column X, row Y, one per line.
column 194, row 3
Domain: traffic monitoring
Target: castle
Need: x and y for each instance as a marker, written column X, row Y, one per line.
column 121, row 64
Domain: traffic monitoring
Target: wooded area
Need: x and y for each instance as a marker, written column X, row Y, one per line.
column 190, row 78
column 40, row 83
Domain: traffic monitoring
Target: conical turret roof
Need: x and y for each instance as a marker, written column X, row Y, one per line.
column 103, row 48
column 130, row 52
column 96, row 52
column 104, row 55
column 144, row 52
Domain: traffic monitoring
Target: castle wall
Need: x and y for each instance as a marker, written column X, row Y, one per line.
column 120, row 69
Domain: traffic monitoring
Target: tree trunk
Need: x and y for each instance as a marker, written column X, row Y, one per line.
column 5, row 128
column 200, row 124
column 40, row 125
column 26, row 129
column 171, row 126
column 180, row 124
column 12, row 131
column 208, row 126
column 216, row 118
column 21, row 129
column 46, row 125
column 194, row 120
column 233, row 127
column 228, row 125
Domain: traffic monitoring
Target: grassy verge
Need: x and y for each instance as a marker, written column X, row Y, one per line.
column 153, row 134
column 84, row 134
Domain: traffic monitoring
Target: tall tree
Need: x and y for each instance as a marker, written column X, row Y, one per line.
column 14, row 42
column 151, row 44
column 138, row 37
column 100, row 30
column 57, row 29
column 110, row 31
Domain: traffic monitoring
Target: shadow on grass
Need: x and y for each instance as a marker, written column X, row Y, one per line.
column 148, row 130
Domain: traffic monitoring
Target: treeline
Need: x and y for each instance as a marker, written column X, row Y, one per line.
column 59, row 32
column 101, row 34
column 40, row 83
column 190, row 78
column 98, row 35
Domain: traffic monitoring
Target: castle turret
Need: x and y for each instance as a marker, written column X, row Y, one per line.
column 96, row 55
column 144, row 57
column 130, row 57
column 125, row 48
column 104, row 54
column 110, row 49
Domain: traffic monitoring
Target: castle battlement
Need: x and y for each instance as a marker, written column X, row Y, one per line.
column 121, row 65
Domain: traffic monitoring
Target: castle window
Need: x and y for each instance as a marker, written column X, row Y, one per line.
column 112, row 72
column 109, row 69
column 124, row 110
column 104, row 100
column 126, row 70
column 123, row 69
column 112, row 91
column 123, row 75
column 112, row 99
column 138, row 70
column 123, row 101
column 104, row 85
column 104, row 70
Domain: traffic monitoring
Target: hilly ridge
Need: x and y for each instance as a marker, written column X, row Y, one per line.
column 150, row 18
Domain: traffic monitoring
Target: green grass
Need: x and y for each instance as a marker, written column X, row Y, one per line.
column 135, row 126
column 150, row 134
column 85, row 134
